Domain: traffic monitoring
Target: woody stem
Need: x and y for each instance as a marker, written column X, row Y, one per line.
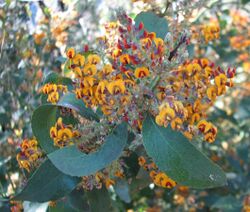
column 174, row 51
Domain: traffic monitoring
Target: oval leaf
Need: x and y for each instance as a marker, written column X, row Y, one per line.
column 179, row 158
column 45, row 116
column 69, row 100
column 153, row 23
column 77, row 200
column 47, row 184
column 55, row 78
column 99, row 200
column 71, row 161
column 122, row 190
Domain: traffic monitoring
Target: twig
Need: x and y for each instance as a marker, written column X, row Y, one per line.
column 173, row 52
column 43, row 8
column 2, row 44
column 11, row 183
column 166, row 9
column 2, row 193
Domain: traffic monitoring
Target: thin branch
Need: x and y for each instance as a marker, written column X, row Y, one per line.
column 1, row 51
column 174, row 51
column 166, row 9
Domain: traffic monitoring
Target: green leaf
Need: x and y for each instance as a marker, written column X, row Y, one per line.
column 139, row 182
column 47, row 183
column 55, row 78
column 99, row 200
column 243, row 110
column 5, row 206
column 190, row 49
column 76, row 163
column 245, row 1
column 69, row 100
column 153, row 23
column 3, row 200
column 228, row 203
column 45, row 116
column 122, row 190
column 77, row 200
column 131, row 165
column 61, row 59
column 179, row 158
column 223, row 23
column 62, row 206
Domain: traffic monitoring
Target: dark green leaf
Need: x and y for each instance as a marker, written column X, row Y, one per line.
column 132, row 167
column 55, row 78
column 227, row 12
column 190, row 49
column 5, row 207
column 153, row 23
column 228, row 203
column 61, row 59
column 69, row 100
column 47, row 183
column 122, row 190
column 3, row 199
column 179, row 158
column 78, row 200
column 243, row 110
column 141, row 181
column 245, row 1
column 4, row 119
column 232, row 32
column 61, row 206
column 99, row 200
column 223, row 24
column 221, row 114
column 76, row 163
column 43, row 118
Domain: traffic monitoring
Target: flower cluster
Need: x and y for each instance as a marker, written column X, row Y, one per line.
column 16, row 206
column 62, row 134
column 29, row 154
column 119, row 87
column 102, row 85
column 137, row 78
column 138, row 73
column 101, row 178
column 246, row 203
column 206, row 33
column 52, row 90
column 57, row 24
column 38, row 38
column 210, row 32
column 186, row 95
column 208, row 129
column 159, row 178
column 162, row 180
column 240, row 42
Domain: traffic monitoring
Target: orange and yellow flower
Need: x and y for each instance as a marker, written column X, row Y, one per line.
column 70, row 53
column 116, row 87
column 29, row 154
column 62, row 134
column 141, row 72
